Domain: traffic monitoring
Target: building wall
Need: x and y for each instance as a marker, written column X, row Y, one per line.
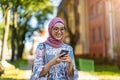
column 83, row 26
column 112, row 26
column 97, row 27
column 116, row 21
column 94, row 21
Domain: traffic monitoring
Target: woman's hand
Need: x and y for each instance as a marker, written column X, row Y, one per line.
column 66, row 58
column 56, row 60
column 52, row 62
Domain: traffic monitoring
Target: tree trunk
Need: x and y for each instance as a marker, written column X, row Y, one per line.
column 14, row 34
column 20, row 41
column 20, row 44
column 13, row 44
column 20, row 51
column 6, row 31
column 73, row 37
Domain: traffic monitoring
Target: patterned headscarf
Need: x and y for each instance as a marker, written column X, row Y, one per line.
column 51, row 40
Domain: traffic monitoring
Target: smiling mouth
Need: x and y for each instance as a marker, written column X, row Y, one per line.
column 59, row 35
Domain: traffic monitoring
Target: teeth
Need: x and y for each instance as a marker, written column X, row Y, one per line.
column 59, row 35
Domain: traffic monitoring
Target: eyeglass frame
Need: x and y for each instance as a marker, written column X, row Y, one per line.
column 58, row 29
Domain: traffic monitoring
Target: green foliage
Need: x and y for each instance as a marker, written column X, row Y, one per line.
column 25, row 10
column 37, row 8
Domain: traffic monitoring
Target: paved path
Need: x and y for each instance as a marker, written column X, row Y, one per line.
column 29, row 67
column 86, row 76
column 82, row 75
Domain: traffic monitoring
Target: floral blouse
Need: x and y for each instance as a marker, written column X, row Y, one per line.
column 58, row 71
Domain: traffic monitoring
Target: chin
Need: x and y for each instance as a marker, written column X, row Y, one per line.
column 58, row 39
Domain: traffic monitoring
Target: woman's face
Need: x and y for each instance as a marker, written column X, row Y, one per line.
column 58, row 30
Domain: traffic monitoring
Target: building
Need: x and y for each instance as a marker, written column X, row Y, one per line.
column 97, row 22
column 97, row 28
column 115, row 23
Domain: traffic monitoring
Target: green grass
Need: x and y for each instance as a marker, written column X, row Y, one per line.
column 99, row 69
column 106, row 70
column 21, row 63
column 17, row 72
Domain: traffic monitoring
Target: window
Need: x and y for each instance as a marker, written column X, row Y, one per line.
column 100, row 33
column 93, row 11
column 93, row 35
column 100, row 7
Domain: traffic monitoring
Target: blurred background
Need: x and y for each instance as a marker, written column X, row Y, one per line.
column 92, row 30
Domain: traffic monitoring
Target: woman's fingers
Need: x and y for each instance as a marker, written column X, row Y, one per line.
column 56, row 59
column 66, row 58
column 63, row 54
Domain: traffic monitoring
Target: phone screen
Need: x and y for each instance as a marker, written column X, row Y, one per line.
column 64, row 51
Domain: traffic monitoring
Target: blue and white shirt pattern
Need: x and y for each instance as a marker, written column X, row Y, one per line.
column 58, row 71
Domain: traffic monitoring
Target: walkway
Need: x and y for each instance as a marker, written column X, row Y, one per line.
column 29, row 67
column 86, row 76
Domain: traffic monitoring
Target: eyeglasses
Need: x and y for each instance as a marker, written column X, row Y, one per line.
column 56, row 29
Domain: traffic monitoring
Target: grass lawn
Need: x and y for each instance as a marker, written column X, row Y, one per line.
column 16, row 71
column 99, row 69
column 102, row 71
column 21, row 64
column 107, row 72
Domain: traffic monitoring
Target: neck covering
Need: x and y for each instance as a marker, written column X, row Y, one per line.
column 51, row 40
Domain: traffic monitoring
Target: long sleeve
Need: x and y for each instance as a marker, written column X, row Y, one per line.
column 38, row 63
column 75, row 76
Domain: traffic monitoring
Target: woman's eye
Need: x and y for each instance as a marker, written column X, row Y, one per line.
column 62, row 29
column 56, row 28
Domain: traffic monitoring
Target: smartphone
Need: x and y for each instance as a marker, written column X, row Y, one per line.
column 65, row 53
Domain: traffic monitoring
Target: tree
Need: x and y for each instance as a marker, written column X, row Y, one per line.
column 5, row 6
column 21, row 13
column 26, row 11
column 74, row 37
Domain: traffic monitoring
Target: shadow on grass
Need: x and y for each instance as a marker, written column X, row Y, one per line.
column 107, row 69
column 20, row 64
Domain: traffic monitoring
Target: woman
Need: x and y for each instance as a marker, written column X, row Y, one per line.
column 59, row 66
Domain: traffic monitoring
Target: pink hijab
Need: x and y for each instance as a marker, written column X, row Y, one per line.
column 51, row 40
